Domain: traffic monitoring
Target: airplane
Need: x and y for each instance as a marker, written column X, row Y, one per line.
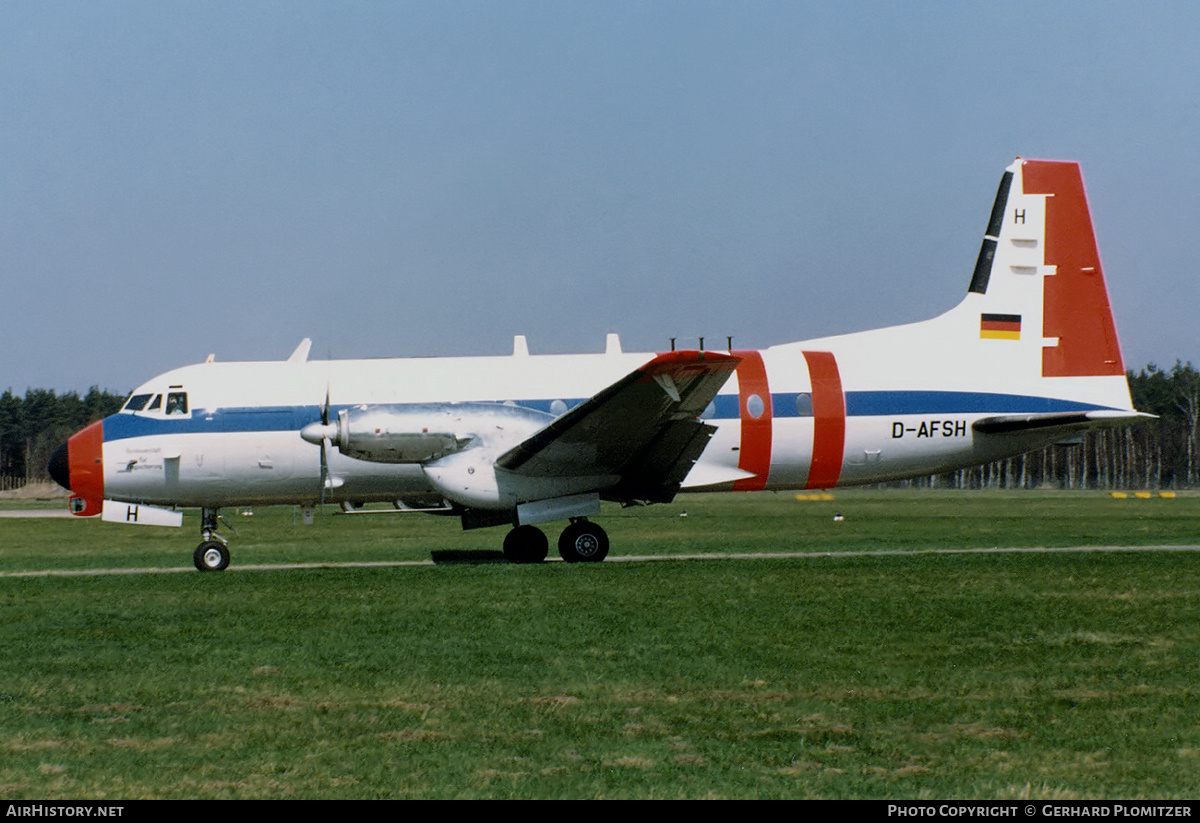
column 1029, row 357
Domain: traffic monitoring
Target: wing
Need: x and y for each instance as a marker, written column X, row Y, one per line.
column 644, row 429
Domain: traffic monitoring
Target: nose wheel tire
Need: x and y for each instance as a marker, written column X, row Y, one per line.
column 583, row 542
column 211, row 556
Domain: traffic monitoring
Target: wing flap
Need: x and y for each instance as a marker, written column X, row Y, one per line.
column 644, row 429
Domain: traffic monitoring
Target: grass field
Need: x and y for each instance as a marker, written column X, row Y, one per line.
column 1009, row 675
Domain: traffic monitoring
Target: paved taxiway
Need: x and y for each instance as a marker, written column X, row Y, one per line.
column 610, row 559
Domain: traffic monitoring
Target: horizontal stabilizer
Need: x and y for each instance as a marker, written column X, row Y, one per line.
column 1066, row 421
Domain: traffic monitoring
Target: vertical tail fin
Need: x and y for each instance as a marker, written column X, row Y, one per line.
column 1035, row 323
column 1041, row 230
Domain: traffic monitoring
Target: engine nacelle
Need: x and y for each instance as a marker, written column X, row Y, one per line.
column 421, row 433
column 388, row 435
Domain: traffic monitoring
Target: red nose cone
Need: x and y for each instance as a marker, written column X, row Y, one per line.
column 78, row 466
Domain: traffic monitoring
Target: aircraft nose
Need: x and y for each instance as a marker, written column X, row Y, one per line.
column 78, row 465
column 60, row 467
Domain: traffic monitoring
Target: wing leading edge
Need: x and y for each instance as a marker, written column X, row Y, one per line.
column 644, row 429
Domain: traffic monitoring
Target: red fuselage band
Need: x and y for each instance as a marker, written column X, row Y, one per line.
column 754, row 409
column 829, row 420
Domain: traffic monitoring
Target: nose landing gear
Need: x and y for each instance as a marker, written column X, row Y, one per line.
column 212, row 555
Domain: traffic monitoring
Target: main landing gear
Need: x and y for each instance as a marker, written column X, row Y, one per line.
column 580, row 542
column 212, row 555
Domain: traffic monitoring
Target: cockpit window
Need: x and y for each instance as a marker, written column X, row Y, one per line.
column 176, row 403
column 137, row 402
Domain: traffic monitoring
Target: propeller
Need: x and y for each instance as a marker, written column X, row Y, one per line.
column 322, row 434
column 325, row 446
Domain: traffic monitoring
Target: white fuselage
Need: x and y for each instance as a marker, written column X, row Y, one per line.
column 792, row 417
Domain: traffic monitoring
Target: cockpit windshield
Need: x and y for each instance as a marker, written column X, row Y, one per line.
column 136, row 402
column 176, row 403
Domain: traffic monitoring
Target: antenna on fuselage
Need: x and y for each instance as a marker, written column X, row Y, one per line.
column 300, row 355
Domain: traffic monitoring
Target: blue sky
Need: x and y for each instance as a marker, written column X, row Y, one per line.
column 431, row 178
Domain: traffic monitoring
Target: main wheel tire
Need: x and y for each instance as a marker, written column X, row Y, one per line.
column 211, row 556
column 526, row 544
column 583, row 542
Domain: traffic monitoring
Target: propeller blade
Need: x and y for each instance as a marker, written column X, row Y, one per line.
column 322, row 434
column 325, row 446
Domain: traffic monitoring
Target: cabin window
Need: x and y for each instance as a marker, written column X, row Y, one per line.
column 755, row 406
column 155, row 404
column 177, row 403
column 804, row 405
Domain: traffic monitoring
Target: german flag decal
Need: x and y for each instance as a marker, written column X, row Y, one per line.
column 1000, row 326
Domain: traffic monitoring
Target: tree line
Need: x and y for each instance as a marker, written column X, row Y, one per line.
column 1162, row 453
column 1155, row 454
column 33, row 426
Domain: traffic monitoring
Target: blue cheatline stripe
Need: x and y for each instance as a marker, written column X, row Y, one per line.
column 725, row 407
column 897, row 403
column 877, row 403
column 262, row 419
